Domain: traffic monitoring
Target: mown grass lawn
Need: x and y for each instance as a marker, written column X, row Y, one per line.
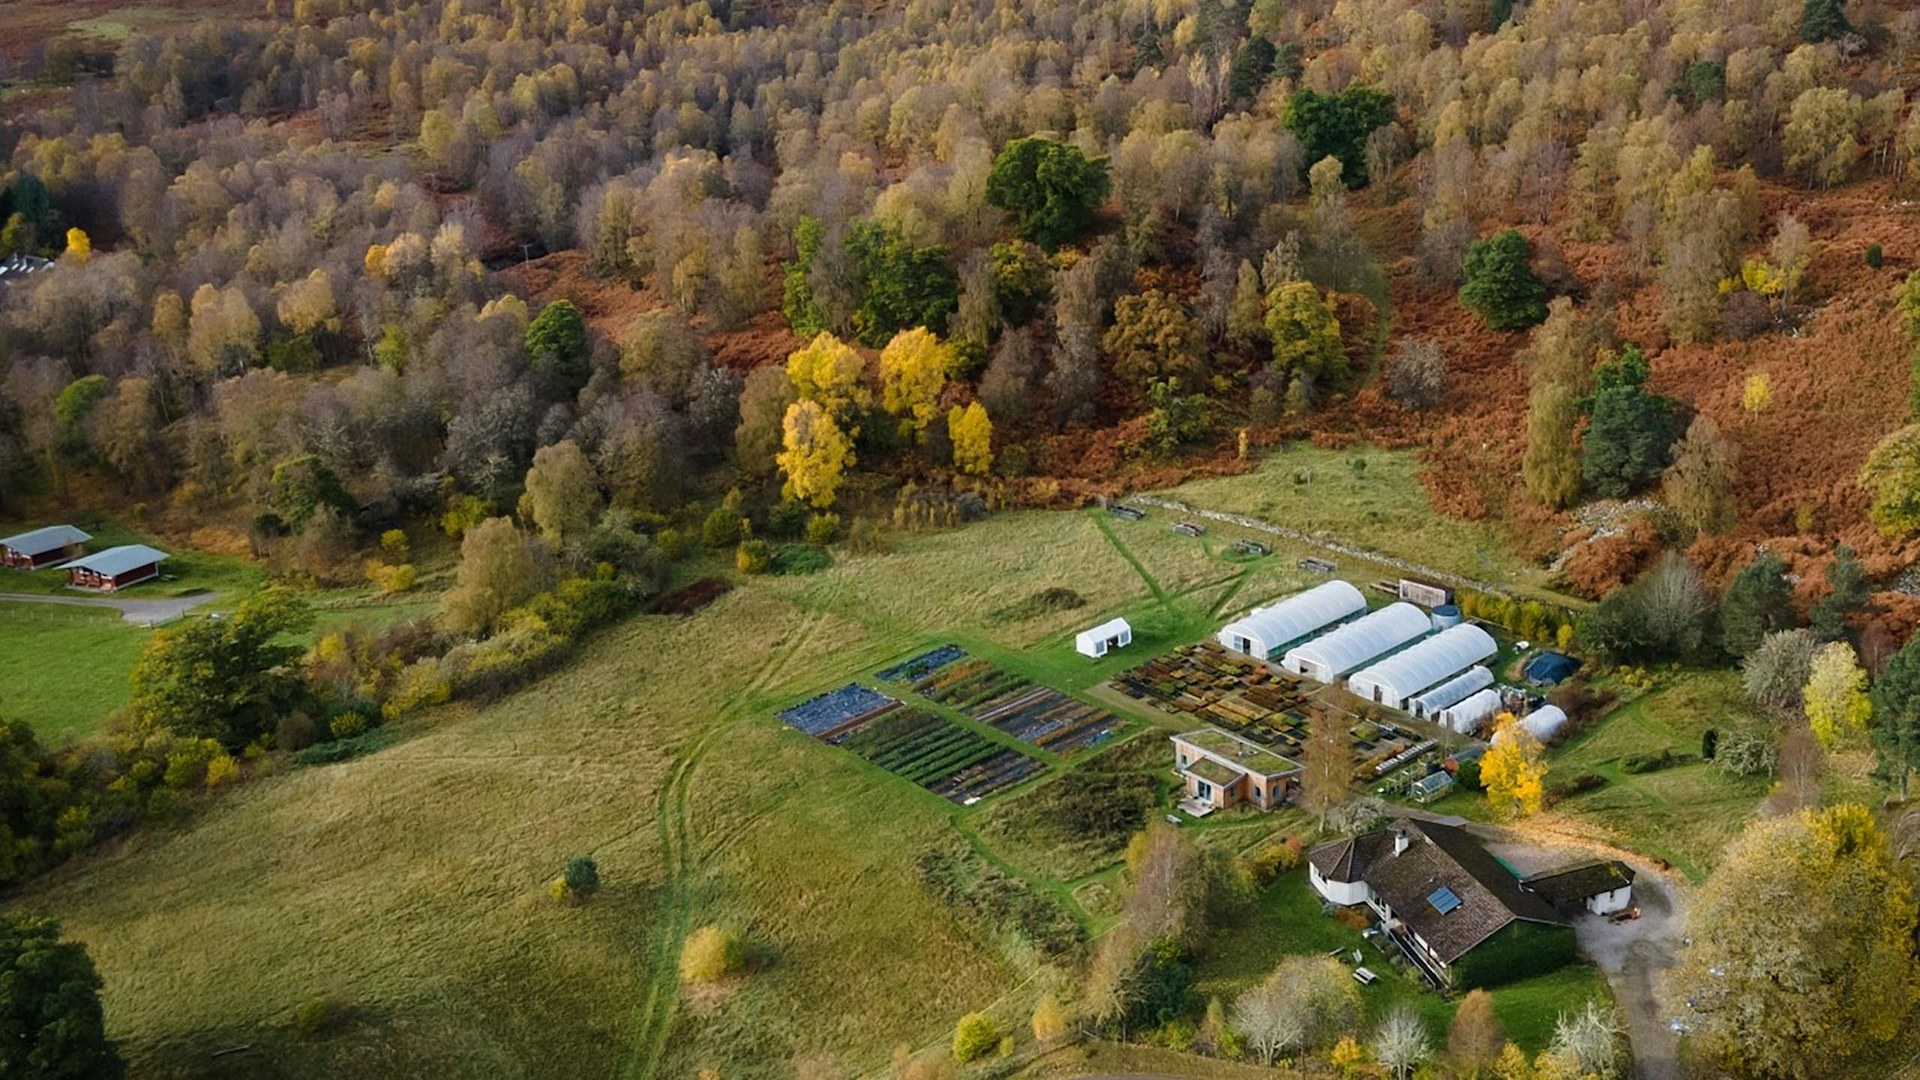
column 1684, row 814
column 64, row 668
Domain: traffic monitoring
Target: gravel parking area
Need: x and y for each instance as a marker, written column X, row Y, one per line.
column 1633, row 954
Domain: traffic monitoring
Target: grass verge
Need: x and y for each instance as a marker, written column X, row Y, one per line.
column 65, row 668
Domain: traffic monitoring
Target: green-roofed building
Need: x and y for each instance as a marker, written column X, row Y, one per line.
column 1222, row 770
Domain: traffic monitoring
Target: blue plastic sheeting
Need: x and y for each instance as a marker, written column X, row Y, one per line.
column 1550, row 668
column 829, row 711
column 923, row 665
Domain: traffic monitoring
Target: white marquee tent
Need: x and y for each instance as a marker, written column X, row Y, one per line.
column 1392, row 681
column 1112, row 634
column 1341, row 650
column 1265, row 631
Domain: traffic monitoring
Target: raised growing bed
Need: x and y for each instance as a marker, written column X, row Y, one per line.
column 936, row 754
column 1045, row 717
column 963, row 686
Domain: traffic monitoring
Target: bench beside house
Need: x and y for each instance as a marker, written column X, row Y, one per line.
column 1457, row 912
column 43, row 547
column 1222, row 770
column 115, row 568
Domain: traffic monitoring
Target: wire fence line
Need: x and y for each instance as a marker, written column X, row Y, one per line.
column 26, row 611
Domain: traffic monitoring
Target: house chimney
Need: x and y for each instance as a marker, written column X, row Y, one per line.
column 1399, row 841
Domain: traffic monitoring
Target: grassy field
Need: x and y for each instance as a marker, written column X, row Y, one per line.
column 1684, row 814
column 408, row 886
column 184, row 573
column 1381, row 507
column 65, row 668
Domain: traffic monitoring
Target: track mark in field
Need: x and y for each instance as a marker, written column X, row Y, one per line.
column 1153, row 586
column 671, row 916
column 674, row 912
column 1233, row 590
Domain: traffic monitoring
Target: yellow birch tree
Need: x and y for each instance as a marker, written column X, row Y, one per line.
column 972, row 435
column 1514, row 770
column 816, row 454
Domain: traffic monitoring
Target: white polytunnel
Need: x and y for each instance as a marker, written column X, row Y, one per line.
column 1542, row 723
column 1451, row 692
column 1467, row 716
column 1392, row 681
column 1265, row 631
column 1341, row 650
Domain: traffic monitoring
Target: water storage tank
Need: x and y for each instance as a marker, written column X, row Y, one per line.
column 1446, row 615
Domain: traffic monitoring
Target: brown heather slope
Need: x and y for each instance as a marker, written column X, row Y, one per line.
column 1839, row 373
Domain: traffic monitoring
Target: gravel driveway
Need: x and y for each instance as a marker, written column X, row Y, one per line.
column 1633, row 954
column 139, row 612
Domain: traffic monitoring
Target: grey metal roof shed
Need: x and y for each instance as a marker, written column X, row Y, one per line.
column 115, row 568
column 39, row 541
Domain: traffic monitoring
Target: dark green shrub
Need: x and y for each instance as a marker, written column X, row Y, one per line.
column 1875, row 257
column 1467, row 775
column 1500, row 286
column 1567, row 787
column 795, row 559
column 328, row 753
column 1704, row 81
column 1637, row 764
column 1337, row 126
column 1052, row 189
column 722, row 528
column 1823, row 20
column 786, row 519
column 582, row 877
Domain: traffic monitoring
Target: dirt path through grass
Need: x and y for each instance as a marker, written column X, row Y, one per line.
column 1106, row 530
column 673, row 917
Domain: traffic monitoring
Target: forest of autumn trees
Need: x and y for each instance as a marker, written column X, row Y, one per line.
column 1099, row 209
